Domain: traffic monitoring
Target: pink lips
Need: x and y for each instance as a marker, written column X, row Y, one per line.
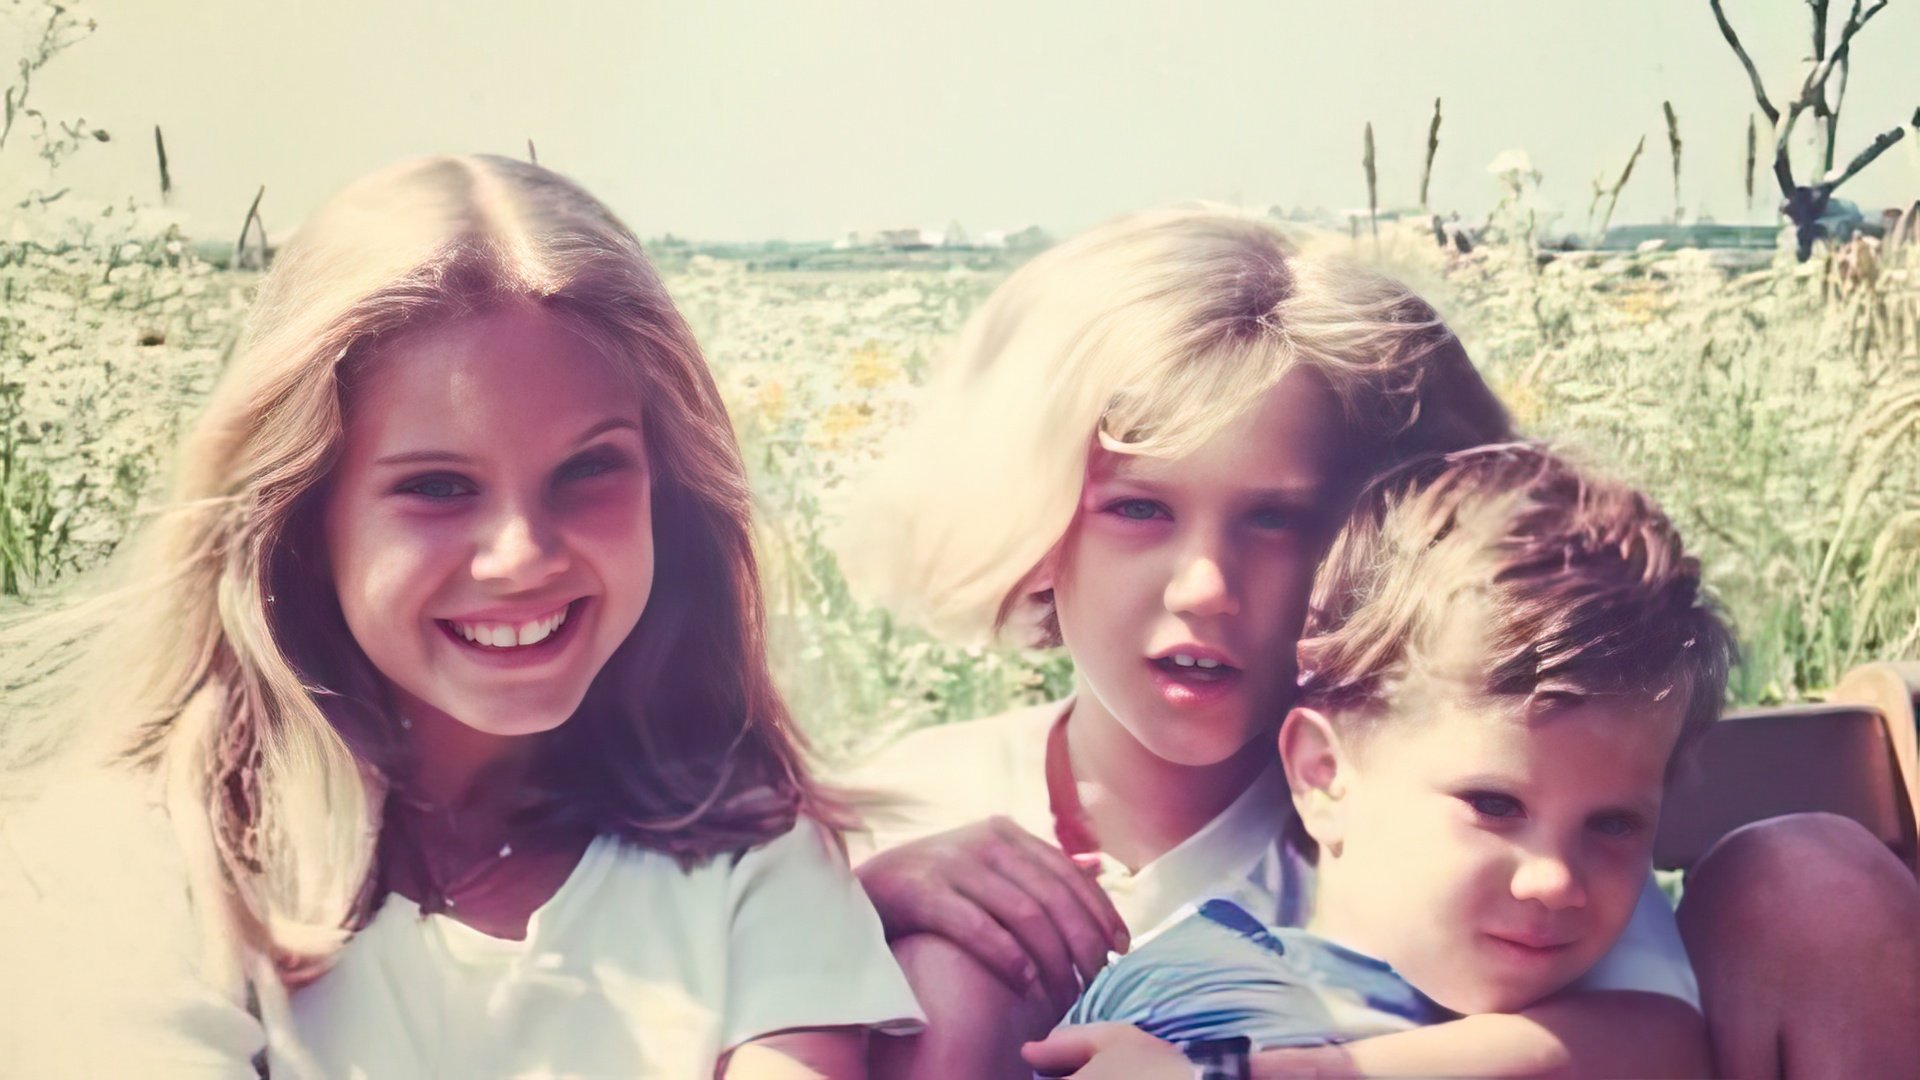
column 1192, row 687
column 1530, row 946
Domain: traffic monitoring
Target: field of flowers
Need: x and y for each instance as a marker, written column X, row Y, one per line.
column 1775, row 412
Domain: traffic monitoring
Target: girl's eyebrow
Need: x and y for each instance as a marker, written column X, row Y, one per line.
column 1305, row 495
column 448, row 457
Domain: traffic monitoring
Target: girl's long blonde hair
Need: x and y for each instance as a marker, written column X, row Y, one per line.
column 1145, row 335
column 229, row 654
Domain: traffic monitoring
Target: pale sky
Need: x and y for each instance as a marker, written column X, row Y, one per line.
column 801, row 119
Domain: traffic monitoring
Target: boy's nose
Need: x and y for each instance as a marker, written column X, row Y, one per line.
column 520, row 550
column 1550, row 879
column 1200, row 587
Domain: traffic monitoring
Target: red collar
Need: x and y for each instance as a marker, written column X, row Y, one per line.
column 1071, row 826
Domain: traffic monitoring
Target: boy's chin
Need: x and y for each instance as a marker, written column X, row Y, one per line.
column 1472, row 997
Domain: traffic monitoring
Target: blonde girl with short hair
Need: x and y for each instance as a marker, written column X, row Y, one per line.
column 446, row 659
column 1140, row 449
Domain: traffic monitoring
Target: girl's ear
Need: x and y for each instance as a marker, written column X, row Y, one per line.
column 1318, row 774
column 1040, row 578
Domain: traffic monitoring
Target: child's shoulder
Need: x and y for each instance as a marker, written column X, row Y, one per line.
column 1014, row 733
column 950, row 775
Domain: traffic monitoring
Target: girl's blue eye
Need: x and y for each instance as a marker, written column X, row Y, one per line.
column 1275, row 518
column 586, row 467
column 1490, row 805
column 1136, row 509
column 596, row 462
column 435, row 488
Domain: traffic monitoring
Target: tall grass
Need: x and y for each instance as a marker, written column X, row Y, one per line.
column 110, row 334
column 1775, row 412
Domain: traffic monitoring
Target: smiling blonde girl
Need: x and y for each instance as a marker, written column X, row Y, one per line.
column 446, row 659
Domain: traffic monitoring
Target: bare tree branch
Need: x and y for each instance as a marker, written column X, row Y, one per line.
column 160, row 149
column 1373, row 190
column 1833, row 116
column 1820, row 27
column 1753, row 73
column 1856, row 19
column 1673, row 146
column 1782, row 163
column 246, row 224
column 1613, row 197
column 1753, row 157
column 1433, row 147
column 1865, row 157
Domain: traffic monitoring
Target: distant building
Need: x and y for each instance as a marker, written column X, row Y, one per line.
column 1030, row 238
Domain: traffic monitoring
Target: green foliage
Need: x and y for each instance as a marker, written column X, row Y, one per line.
column 815, row 369
column 1775, row 413
column 34, row 528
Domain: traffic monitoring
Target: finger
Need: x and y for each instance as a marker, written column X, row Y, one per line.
column 1081, row 930
column 1069, row 1049
column 961, row 920
column 1085, row 889
column 1024, row 916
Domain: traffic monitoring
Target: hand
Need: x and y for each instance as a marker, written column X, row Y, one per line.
column 1099, row 1051
column 1015, row 903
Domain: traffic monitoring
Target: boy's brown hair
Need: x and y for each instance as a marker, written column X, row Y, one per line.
column 1508, row 566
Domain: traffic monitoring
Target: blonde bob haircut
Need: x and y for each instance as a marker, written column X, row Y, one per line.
column 238, row 674
column 1145, row 335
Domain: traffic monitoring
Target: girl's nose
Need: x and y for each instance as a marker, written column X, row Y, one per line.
column 521, row 550
column 1549, row 878
column 1200, row 587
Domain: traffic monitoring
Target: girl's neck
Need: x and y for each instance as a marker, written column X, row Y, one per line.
column 1142, row 806
column 454, row 766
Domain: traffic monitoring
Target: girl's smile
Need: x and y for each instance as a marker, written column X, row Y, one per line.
column 515, row 640
column 489, row 528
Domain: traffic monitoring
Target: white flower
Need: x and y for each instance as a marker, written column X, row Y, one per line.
column 1510, row 161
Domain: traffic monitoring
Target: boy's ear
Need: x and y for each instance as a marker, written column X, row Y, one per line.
column 1317, row 772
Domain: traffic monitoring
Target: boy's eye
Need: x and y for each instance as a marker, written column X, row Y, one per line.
column 1137, row 509
column 435, row 488
column 1489, row 804
column 1617, row 826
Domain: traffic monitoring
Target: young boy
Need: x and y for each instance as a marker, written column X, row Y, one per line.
column 1136, row 452
column 1536, row 642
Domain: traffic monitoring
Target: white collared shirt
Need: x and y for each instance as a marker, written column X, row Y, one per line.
column 953, row 775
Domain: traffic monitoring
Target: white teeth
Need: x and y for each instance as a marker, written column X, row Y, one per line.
column 1183, row 660
column 1189, row 660
column 506, row 636
column 1207, row 663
